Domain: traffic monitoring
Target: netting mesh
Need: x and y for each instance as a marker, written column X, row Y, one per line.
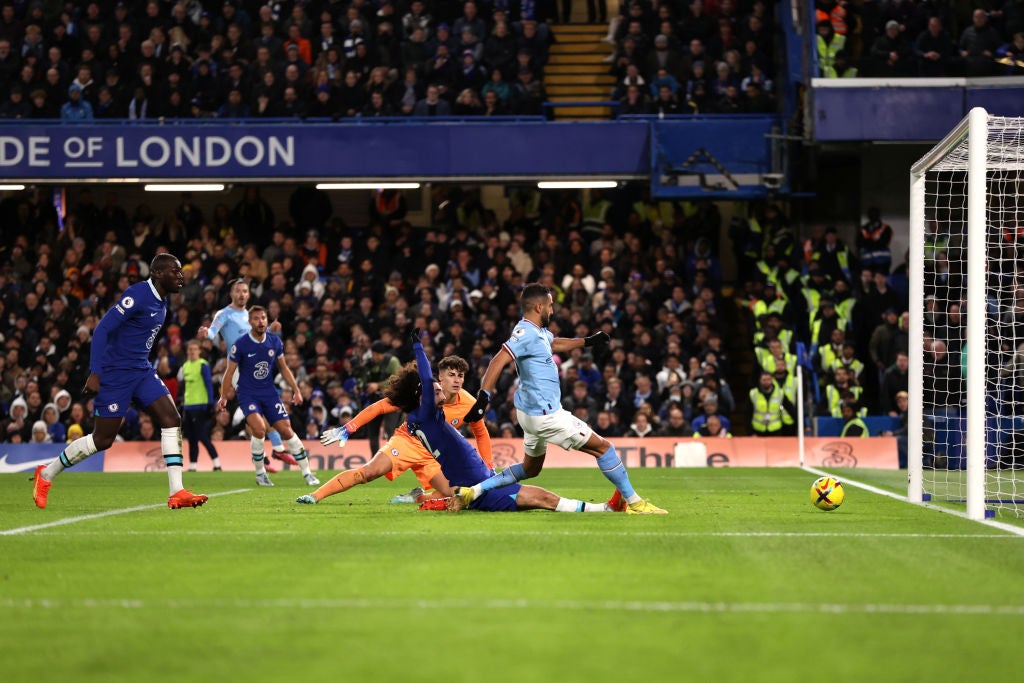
column 945, row 254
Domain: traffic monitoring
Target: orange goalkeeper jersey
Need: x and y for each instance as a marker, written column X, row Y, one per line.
column 454, row 412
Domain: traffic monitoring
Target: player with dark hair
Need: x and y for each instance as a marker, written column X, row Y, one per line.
column 120, row 372
column 403, row 451
column 539, row 410
column 460, row 462
column 230, row 323
column 254, row 355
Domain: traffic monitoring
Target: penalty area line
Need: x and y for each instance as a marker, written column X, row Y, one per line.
column 1002, row 526
column 98, row 515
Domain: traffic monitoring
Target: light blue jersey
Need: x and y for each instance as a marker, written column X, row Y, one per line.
column 230, row 323
column 540, row 392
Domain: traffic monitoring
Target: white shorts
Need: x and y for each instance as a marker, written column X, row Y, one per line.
column 561, row 428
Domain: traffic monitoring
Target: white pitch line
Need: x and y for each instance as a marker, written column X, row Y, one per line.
column 530, row 532
column 521, row 604
column 97, row 515
column 1002, row 526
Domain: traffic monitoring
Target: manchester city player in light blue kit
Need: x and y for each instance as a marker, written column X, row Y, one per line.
column 539, row 409
column 230, row 323
column 255, row 354
column 120, row 372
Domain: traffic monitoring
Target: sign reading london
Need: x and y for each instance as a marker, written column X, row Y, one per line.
column 154, row 151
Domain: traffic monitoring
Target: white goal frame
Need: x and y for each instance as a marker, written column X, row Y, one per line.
column 975, row 129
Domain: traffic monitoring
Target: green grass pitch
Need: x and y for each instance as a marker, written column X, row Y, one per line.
column 744, row 581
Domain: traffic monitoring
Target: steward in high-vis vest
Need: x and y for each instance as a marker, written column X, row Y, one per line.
column 854, row 425
column 195, row 382
column 785, row 378
column 769, row 403
column 829, row 45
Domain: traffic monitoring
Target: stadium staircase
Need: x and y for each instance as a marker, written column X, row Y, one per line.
column 577, row 72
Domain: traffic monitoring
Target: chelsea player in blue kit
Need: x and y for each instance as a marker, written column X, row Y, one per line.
column 120, row 372
column 254, row 355
column 414, row 390
column 538, row 402
column 230, row 323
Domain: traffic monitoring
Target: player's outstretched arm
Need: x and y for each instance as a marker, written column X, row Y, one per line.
column 598, row 340
column 426, row 377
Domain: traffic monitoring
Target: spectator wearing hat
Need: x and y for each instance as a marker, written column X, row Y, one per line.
column 891, row 54
column 471, row 74
column 665, row 57
column 528, row 93
column 76, row 108
column 40, row 433
column 15, row 107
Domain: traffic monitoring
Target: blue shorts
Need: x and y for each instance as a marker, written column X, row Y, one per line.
column 117, row 389
column 268, row 405
column 498, row 500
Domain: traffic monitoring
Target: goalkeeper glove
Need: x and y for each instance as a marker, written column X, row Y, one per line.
column 598, row 339
column 476, row 413
column 338, row 434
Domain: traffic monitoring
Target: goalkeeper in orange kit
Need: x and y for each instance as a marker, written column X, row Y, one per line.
column 404, row 451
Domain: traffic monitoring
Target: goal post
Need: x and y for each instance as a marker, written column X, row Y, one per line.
column 965, row 235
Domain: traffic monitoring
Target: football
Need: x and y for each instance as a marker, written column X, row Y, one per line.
column 827, row 493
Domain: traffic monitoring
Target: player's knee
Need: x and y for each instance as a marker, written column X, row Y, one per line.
column 102, row 441
column 257, row 432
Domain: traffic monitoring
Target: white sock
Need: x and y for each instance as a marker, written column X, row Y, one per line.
column 256, row 448
column 634, row 499
column 571, row 505
column 216, row 462
column 170, row 447
column 295, row 448
column 191, row 467
column 75, row 452
column 174, row 479
column 478, row 491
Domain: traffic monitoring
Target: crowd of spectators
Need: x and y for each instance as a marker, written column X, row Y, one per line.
column 646, row 272
column 694, row 58
column 241, row 59
column 846, row 306
column 913, row 38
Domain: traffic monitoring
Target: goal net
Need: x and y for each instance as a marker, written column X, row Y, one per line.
column 966, row 417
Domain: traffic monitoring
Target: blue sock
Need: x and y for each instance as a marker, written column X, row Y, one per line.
column 509, row 475
column 613, row 470
column 275, row 438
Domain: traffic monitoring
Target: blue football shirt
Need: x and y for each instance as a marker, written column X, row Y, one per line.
column 125, row 336
column 539, row 392
column 230, row 323
column 256, row 361
column 460, row 461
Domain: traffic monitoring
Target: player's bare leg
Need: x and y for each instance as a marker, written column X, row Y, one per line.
column 536, row 498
